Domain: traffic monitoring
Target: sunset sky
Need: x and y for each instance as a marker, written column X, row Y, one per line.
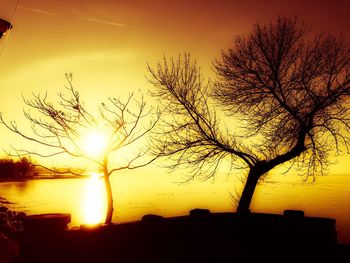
column 107, row 44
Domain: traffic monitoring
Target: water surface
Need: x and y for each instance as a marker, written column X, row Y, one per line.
column 137, row 195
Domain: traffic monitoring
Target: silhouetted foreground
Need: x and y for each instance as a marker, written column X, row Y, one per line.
column 200, row 237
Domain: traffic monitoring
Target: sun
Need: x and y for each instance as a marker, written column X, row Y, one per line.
column 95, row 143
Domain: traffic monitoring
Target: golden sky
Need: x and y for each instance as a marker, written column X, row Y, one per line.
column 107, row 44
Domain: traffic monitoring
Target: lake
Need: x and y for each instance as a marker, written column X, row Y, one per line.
column 139, row 194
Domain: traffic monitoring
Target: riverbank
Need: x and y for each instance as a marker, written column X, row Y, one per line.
column 43, row 176
column 199, row 237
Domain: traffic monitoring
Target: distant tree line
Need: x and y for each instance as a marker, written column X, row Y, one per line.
column 22, row 168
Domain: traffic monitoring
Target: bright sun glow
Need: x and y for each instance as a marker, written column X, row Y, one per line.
column 95, row 143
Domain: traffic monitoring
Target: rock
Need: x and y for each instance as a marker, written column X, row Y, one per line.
column 46, row 222
column 20, row 216
column 294, row 213
column 11, row 222
column 152, row 218
column 4, row 217
column 18, row 226
column 3, row 209
column 11, row 214
column 200, row 213
column 9, row 249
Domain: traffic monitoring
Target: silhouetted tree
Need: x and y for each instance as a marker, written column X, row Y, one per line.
column 59, row 128
column 7, row 168
column 10, row 168
column 24, row 167
column 286, row 92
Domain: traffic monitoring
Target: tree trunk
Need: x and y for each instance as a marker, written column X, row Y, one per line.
column 248, row 191
column 109, row 194
column 109, row 200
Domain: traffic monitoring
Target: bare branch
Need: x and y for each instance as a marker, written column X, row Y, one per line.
column 59, row 126
column 287, row 95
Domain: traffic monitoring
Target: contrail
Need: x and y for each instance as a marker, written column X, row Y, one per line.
column 93, row 20
column 38, row 10
column 103, row 22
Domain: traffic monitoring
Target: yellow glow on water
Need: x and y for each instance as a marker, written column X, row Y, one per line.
column 146, row 192
column 94, row 206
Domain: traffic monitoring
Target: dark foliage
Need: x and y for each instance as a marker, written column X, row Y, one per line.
column 10, row 168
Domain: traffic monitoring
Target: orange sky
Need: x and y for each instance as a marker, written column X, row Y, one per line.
column 106, row 44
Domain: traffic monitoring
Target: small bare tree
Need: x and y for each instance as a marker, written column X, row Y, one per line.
column 287, row 95
column 58, row 127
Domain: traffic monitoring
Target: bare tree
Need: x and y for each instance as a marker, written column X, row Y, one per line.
column 59, row 126
column 287, row 95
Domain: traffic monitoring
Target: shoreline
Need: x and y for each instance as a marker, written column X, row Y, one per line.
column 40, row 177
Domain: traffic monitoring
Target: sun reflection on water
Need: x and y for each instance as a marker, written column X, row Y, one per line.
column 94, row 206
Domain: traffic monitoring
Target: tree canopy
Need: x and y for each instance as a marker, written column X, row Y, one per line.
column 286, row 91
column 58, row 127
